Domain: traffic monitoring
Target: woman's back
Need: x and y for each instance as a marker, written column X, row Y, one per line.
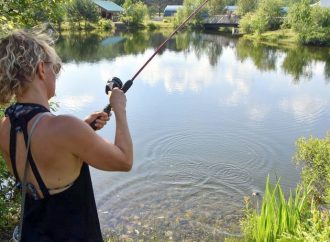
column 68, row 215
column 56, row 164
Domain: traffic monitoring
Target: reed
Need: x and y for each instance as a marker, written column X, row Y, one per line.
column 277, row 216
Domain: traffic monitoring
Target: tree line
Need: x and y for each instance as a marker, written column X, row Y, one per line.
column 311, row 23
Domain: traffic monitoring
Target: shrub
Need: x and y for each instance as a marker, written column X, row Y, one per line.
column 245, row 23
column 314, row 156
column 152, row 26
column 105, row 24
column 316, row 228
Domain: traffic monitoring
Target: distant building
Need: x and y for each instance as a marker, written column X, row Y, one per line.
column 170, row 10
column 108, row 9
column 230, row 8
column 284, row 10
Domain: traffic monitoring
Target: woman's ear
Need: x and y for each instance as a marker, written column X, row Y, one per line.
column 41, row 70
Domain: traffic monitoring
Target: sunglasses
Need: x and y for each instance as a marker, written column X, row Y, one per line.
column 56, row 67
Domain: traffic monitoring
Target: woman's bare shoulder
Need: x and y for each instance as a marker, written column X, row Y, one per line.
column 66, row 122
column 66, row 126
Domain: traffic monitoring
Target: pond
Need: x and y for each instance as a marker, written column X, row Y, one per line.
column 210, row 116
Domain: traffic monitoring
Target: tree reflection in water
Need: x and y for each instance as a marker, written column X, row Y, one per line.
column 298, row 61
column 92, row 47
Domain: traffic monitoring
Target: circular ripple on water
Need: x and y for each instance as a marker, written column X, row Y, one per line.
column 229, row 174
column 244, row 151
column 305, row 109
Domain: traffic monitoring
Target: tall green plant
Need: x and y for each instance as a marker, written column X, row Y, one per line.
column 277, row 215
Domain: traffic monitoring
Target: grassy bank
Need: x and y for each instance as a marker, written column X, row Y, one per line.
column 282, row 37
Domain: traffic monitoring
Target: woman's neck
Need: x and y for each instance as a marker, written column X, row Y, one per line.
column 33, row 96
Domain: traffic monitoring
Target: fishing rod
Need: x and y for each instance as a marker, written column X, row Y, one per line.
column 116, row 82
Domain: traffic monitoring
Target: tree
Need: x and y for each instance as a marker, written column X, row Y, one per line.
column 157, row 6
column 246, row 6
column 270, row 12
column 268, row 16
column 134, row 13
column 215, row 7
column 16, row 14
column 312, row 24
column 83, row 10
column 188, row 7
column 119, row 2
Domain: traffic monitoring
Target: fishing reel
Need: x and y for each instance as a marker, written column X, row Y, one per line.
column 115, row 82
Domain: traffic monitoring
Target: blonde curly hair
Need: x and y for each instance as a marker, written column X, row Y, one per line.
column 20, row 53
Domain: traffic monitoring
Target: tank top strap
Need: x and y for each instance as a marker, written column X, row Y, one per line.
column 37, row 175
column 34, row 168
column 20, row 114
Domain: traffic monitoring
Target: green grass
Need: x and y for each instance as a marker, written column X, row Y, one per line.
column 160, row 24
column 282, row 37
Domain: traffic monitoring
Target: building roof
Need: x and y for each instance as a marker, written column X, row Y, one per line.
column 109, row 6
column 231, row 8
column 172, row 7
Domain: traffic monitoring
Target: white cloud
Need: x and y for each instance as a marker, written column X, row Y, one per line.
column 75, row 103
column 240, row 89
column 177, row 75
column 258, row 113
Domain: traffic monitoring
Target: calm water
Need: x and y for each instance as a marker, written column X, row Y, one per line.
column 210, row 117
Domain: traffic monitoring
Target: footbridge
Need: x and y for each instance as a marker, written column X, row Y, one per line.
column 217, row 21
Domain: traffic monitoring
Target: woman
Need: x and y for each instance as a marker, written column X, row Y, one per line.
column 60, row 204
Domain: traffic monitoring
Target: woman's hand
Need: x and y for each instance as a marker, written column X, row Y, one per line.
column 100, row 117
column 118, row 101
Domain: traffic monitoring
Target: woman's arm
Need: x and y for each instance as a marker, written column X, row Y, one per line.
column 77, row 137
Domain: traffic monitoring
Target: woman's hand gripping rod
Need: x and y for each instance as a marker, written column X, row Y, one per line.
column 111, row 84
column 116, row 82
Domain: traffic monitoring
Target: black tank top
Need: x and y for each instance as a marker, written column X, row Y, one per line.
column 67, row 216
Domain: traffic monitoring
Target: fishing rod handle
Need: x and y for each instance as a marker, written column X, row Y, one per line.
column 107, row 110
column 127, row 85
